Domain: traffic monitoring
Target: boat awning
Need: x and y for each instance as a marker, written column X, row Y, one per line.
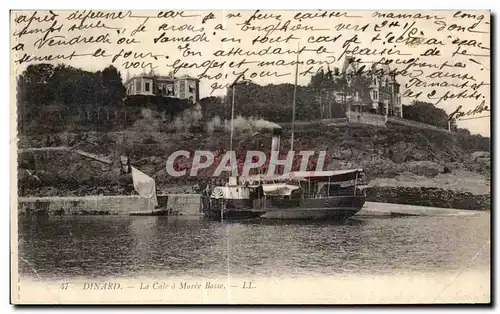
column 332, row 175
column 279, row 189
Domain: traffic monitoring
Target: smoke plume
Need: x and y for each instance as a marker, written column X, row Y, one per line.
column 240, row 124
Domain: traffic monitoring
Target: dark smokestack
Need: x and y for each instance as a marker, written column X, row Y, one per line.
column 275, row 143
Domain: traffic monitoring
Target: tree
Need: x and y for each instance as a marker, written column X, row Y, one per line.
column 360, row 83
column 35, row 84
column 317, row 79
column 113, row 90
column 426, row 113
column 48, row 93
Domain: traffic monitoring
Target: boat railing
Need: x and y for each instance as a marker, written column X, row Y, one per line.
column 331, row 196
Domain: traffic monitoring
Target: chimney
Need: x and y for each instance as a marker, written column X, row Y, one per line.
column 275, row 143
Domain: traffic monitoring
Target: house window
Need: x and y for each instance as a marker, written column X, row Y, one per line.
column 147, row 87
column 375, row 95
column 182, row 87
column 138, row 86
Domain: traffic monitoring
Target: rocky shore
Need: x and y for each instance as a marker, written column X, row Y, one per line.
column 433, row 197
column 458, row 189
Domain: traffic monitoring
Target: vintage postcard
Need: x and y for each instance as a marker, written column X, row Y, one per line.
column 250, row 157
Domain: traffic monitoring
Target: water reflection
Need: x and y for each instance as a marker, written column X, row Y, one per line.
column 132, row 246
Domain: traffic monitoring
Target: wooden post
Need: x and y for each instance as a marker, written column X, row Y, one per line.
column 232, row 117
column 320, row 104
column 329, row 106
column 294, row 98
column 356, row 183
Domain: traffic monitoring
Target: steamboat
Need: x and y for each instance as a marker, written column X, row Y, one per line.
column 319, row 195
column 335, row 194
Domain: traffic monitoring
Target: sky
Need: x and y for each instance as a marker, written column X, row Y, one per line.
column 327, row 36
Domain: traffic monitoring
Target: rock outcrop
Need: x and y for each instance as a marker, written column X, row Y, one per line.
column 433, row 197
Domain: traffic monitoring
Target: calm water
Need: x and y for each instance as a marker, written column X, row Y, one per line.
column 62, row 247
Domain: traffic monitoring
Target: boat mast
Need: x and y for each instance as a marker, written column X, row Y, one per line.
column 232, row 117
column 294, row 96
column 233, row 89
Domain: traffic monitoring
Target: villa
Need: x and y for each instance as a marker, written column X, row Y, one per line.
column 376, row 92
column 183, row 87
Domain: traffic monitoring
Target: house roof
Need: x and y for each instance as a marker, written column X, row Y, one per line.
column 186, row 76
column 386, row 69
column 349, row 63
column 161, row 77
column 165, row 78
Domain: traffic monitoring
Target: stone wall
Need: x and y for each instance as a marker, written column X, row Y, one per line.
column 182, row 204
column 381, row 121
column 415, row 124
column 366, row 118
column 185, row 204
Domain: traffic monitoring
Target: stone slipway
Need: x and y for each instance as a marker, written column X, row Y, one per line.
column 374, row 209
column 188, row 205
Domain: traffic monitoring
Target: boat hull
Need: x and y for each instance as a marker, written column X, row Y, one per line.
column 329, row 208
column 233, row 210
